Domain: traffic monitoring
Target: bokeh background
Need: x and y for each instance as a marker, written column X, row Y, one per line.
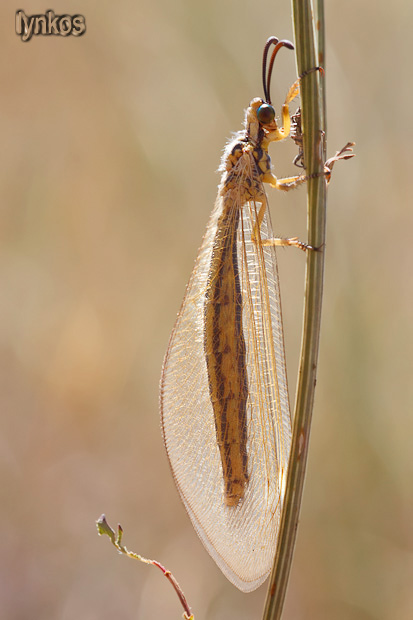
column 109, row 146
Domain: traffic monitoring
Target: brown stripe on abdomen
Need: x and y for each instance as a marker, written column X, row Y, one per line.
column 225, row 353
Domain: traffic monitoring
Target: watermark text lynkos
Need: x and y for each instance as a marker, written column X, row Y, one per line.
column 49, row 24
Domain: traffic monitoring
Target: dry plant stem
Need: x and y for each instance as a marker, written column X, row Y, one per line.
column 312, row 105
column 321, row 62
column 104, row 529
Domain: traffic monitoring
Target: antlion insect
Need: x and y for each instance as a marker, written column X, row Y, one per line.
column 224, row 398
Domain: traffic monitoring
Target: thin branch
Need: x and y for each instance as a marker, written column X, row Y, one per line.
column 104, row 529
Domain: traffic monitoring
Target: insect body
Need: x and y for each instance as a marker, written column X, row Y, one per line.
column 224, row 399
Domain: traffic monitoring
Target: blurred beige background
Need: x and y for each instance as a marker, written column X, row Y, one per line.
column 110, row 144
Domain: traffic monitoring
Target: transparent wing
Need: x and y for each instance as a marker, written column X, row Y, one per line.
column 241, row 539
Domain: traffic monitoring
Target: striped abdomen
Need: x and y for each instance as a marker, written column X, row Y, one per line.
column 225, row 354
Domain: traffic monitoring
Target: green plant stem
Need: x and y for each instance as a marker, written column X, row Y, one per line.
column 313, row 115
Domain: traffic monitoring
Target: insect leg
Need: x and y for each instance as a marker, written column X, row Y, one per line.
column 292, row 241
column 276, row 241
column 285, row 184
column 293, row 92
column 282, row 132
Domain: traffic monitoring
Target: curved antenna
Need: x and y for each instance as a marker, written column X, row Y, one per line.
column 267, row 46
column 266, row 77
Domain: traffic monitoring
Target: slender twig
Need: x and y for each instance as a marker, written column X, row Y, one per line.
column 104, row 529
column 312, row 104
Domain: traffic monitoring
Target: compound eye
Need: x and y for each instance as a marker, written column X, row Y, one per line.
column 265, row 114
